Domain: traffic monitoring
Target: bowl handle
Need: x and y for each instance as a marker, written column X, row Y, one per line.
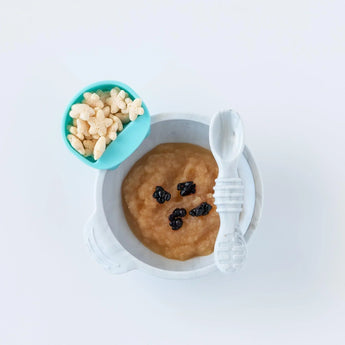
column 105, row 248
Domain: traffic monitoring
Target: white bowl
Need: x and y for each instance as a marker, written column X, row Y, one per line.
column 107, row 234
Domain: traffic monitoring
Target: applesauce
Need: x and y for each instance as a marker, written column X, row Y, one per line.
column 167, row 165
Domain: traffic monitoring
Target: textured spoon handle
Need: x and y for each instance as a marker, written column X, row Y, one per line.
column 230, row 248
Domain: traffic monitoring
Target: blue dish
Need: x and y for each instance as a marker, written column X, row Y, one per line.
column 127, row 141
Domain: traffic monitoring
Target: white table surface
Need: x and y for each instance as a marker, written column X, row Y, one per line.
column 280, row 64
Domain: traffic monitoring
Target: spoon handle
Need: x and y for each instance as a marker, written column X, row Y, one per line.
column 230, row 247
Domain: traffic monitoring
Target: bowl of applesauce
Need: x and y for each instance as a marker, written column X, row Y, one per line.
column 155, row 212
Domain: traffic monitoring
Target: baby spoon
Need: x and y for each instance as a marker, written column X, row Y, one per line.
column 227, row 142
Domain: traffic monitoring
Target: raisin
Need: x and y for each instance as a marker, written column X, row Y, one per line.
column 186, row 188
column 178, row 212
column 176, row 223
column 161, row 195
column 202, row 210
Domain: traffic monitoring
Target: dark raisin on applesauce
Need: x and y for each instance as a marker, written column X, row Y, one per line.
column 176, row 218
column 178, row 213
column 186, row 188
column 202, row 210
column 161, row 195
column 176, row 223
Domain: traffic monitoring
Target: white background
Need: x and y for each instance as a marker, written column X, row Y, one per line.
column 279, row 63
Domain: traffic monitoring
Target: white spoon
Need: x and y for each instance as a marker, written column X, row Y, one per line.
column 227, row 141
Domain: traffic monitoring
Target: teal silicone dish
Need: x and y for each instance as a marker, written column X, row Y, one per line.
column 127, row 141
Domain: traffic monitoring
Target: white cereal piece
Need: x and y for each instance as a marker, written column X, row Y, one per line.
column 118, row 121
column 89, row 145
column 120, row 99
column 106, row 111
column 99, row 148
column 74, row 130
column 114, row 91
column 76, row 143
column 135, row 109
column 82, row 127
column 117, row 100
column 113, row 107
column 111, row 100
column 127, row 101
column 82, row 111
column 93, row 100
column 112, row 131
column 99, row 123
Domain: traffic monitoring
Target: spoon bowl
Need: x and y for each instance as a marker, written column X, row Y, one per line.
column 127, row 141
column 226, row 136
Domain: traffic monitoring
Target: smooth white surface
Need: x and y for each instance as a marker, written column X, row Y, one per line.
column 279, row 64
